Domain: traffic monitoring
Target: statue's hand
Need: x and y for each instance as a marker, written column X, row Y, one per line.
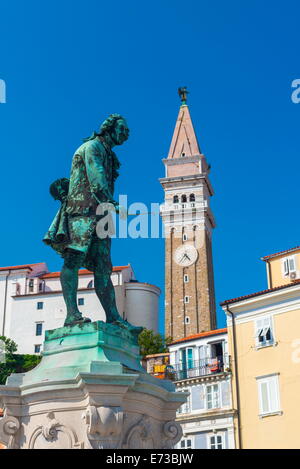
column 121, row 211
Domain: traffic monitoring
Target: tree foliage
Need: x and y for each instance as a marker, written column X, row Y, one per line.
column 15, row 363
column 151, row 343
column 10, row 346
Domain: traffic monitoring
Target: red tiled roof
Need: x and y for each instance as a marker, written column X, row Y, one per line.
column 17, row 267
column 280, row 253
column 157, row 355
column 251, row 295
column 201, row 334
column 84, row 272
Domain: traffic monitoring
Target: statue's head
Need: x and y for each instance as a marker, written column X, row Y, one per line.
column 116, row 127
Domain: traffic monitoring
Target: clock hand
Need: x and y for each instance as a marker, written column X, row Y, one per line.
column 185, row 255
column 181, row 258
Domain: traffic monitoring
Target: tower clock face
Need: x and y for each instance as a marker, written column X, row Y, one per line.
column 186, row 255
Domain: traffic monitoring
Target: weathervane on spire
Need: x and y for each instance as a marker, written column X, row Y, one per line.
column 183, row 92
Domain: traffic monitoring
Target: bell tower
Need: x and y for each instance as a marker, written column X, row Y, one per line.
column 188, row 222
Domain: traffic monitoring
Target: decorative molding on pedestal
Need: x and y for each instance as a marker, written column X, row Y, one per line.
column 52, row 434
column 89, row 391
column 140, row 435
column 9, row 427
column 173, row 433
column 104, row 426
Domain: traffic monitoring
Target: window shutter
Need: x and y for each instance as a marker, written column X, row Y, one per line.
column 292, row 264
column 273, row 393
column 285, row 267
column 200, row 441
column 198, row 397
column 258, row 327
column 225, row 393
column 264, row 397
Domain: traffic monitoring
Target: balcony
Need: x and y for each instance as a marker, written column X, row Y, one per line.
column 198, row 368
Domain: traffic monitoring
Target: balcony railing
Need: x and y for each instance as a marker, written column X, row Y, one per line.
column 196, row 368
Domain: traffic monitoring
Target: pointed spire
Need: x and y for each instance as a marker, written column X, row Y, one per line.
column 184, row 141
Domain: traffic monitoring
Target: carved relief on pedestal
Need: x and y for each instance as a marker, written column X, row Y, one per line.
column 53, row 435
column 9, row 427
column 141, row 435
column 104, row 426
column 172, row 433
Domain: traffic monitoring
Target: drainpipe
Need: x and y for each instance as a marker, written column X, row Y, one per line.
column 237, row 389
column 269, row 275
column 5, row 302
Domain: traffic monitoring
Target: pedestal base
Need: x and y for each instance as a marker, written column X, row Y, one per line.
column 89, row 391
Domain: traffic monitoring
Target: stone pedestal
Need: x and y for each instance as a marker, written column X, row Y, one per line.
column 89, row 391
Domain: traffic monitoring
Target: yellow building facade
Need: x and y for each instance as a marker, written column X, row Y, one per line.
column 264, row 343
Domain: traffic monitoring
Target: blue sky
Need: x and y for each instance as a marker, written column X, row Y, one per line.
column 68, row 64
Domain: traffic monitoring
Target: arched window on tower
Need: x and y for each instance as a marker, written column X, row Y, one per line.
column 175, row 199
column 183, row 198
column 192, row 198
column 90, row 284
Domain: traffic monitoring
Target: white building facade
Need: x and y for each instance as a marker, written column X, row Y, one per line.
column 200, row 365
column 31, row 302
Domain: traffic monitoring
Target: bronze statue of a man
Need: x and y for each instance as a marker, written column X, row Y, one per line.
column 73, row 231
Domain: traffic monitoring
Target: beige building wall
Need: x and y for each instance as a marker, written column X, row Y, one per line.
column 279, row 429
column 277, row 273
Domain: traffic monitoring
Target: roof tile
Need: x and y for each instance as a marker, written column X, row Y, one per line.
column 201, row 334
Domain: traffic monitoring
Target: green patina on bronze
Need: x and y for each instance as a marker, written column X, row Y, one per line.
column 73, row 231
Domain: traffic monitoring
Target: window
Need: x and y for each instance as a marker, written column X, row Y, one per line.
column 192, row 198
column 186, row 443
column 186, row 358
column 80, row 301
column 183, row 199
column 268, row 394
column 186, row 299
column 186, row 362
column 41, row 286
column 289, row 265
column 186, row 278
column 39, row 328
column 264, row 332
column 175, row 199
column 31, row 285
column 185, row 237
column 216, row 442
column 40, row 305
column 182, row 155
column 37, row 349
column 90, row 284
column 187, row 320
column 186, row 407
column 212, row 396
